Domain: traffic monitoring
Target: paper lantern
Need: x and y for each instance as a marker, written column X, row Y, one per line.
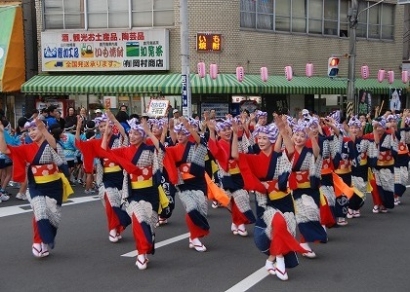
column 390, row 76
column 288, row 73
column 380, row 75
column 213, row 71
column 365, row 71
column 309, row 69
column 201, row 69
column 264, row 74
column 405, row 76
column 240, row 73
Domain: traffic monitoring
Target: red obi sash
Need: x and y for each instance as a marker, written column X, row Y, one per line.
column 109, row 166
column 184, row 169
column 45, row 173
column 403, row 149
column 233, row 167
column 299, row 180
column 385, row 158
column 274, row 192
column 327, row 166
column 344, row 167
column 143, row 179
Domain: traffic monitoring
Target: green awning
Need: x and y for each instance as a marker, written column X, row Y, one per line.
column 170, row 84
column 223, row 84
column 94, row 84
column 375, row 87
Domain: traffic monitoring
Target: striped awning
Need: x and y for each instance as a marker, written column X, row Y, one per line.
column 94, row 84
column 170, row 84
column 223, row 84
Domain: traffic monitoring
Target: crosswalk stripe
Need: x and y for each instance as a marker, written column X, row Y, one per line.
column 249, row 281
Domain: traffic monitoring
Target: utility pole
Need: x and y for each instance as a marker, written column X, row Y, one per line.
column 351, row 74
column 186, row 86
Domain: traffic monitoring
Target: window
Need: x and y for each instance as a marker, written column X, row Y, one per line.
column 248, row 13
column 70, row 14
column 331, row 17
column 316, row 16
column 64, row 14
column 323, row 17
column 282, row 15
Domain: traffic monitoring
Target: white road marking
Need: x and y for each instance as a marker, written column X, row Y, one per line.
column 24, row 208
column 249, row 281
column 171, row 240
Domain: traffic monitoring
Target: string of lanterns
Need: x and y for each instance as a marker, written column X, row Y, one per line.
column 240, row 73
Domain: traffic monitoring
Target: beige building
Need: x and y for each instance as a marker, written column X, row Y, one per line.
column 104, row 53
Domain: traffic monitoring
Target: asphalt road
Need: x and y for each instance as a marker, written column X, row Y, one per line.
column 369, row 254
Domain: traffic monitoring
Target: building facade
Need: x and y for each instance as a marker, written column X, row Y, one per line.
column 230, row 33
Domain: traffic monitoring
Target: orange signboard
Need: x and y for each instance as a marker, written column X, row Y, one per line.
column 206, row 42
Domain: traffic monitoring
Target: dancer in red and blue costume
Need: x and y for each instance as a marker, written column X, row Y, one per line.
column 143, row 164
column 267, row 173
column 232, row 179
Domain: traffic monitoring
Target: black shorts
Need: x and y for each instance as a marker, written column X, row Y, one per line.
column 4, row 164
column 70, row 163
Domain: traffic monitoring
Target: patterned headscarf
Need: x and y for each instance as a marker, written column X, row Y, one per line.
column 270, row 130
column 180, row 128
column 354, row 121
column 136, row 126
column 223, row 124
column 99, row 120
column 259, row 114
column 30, row 124
column 335, row 115
column 392, row 118
column 379, row 121
column 407, row 121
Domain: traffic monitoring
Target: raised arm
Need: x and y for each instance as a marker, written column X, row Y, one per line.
column 3, row 145
column 234, row 147
column 148, row 132
column 78, row 127
column 112, row 118
column 50, row 139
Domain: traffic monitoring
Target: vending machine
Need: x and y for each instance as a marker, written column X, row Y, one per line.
column 61, row 104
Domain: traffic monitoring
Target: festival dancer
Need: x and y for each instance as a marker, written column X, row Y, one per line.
column 382, row 149
column 401, row 162
column 45, row 160
column 232, row 179
column 143, row 164
column 304, row 183
column 159, row 128
column 358, row 149
column 267, row 173
column 109, row 175
column 189, row 157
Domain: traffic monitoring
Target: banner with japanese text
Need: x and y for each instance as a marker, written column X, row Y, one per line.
column 132, row 50
column 158, row 107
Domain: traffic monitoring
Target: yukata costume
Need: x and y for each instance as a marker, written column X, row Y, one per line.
column 232, row 182
column 275, row 227
column 46, row 189
column 189, row 177
column 109, row 179
column 401, row 162
column 381, row 159
column 360, row 171
column 328, row 149
column 143, row 165
column 304, row 183
column 167, row 187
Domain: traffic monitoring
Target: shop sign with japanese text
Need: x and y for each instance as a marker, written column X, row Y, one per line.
column 132, row 50
column 208, row 42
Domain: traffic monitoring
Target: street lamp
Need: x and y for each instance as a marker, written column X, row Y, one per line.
column 351, row 86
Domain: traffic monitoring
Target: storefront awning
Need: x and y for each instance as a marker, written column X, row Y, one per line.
column 223, row 84
column 12, row 61
column 94, row 84
column 322, row 85
column 170, row 84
